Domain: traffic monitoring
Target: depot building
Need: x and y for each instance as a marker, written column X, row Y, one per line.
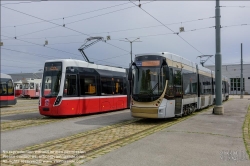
column 233, row 72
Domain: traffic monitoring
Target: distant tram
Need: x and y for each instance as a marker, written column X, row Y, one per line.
column 74, row 87
column 31, row 88
column 165, row 85
column 18, row 88
column 7, row 95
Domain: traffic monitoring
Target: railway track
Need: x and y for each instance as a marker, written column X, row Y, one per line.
column 15, row 112
column 85, row 146
column 18, row 124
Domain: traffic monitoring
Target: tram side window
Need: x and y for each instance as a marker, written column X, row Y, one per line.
column 10, row 88
column 3, row 89
column 170, row 90
column 194, row 87
column 70, row 86
column 223, row 87
column 106, row 84
column 177, row 83
column 170, row 81
column 207, row 87
column 37, row 87
column 88, row 85
column 31, row 85
column 187, row 83
column 118, row 85
column 200, row 84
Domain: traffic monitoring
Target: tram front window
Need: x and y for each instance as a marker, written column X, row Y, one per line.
column 51, row 79
column 148, row 82
column 6, row 87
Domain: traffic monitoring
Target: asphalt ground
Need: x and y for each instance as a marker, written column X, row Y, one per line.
column 204, row 140
column 21, row 138
column 24, row 108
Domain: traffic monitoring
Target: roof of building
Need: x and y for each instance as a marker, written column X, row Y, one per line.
column 2, row 75
column 20, row 76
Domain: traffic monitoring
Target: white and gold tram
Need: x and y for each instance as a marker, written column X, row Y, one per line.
column 165, row 85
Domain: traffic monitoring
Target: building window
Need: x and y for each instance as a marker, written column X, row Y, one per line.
column 235, row 84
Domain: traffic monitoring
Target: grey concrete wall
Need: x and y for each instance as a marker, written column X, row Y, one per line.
column 234, row 71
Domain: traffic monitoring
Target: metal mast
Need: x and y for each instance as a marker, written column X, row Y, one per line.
column 241, row 77
column 218, row 109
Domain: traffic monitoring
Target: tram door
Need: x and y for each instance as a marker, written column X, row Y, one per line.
column 178, row 91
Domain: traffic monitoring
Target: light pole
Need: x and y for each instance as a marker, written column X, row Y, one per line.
column 131, row 45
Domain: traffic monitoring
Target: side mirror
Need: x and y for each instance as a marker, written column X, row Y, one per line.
column 164, row 63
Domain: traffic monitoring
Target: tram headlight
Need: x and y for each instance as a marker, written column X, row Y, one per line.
column 58, row 100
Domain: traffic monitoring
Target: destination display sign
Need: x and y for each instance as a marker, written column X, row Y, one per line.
column 53, row 66
column 148, row 63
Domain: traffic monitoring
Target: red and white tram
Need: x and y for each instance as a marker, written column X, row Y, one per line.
column 74, row 87
column 18, row 88
column 31, row 88
column 7, row 95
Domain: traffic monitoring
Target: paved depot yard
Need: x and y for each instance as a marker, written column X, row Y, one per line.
column 203, row 139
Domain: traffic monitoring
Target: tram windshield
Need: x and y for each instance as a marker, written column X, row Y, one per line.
column 51, row 79
column 148, row 80
column 6, row 87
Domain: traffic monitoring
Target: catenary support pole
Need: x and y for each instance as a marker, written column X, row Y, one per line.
column 218, row 109
column 241, row 75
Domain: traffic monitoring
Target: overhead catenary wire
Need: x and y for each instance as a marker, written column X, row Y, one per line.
column 21, row 66
column 43, row 55
column 63, row 27
column 174, row 33
column 153, row 35
column 19, row 3
column 66, row 16
column 115, row 31
column 25, row 62
column 227, row 26
column 58, row 25
column 237, row 6
column 168, row 28
column 30, row 53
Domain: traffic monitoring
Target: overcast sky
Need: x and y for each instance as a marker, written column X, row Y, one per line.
column 120, row 20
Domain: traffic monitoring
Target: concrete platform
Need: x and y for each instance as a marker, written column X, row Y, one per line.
column 203, row 140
